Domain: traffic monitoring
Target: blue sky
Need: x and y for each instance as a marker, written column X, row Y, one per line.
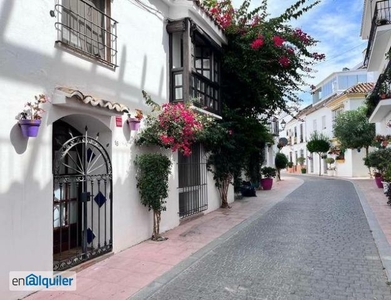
column 336, row 24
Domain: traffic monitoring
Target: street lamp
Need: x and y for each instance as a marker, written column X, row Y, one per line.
column 283, row 124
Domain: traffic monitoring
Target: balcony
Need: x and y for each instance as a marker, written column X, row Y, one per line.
column 379, row 36
column 379, row 101
column 85, row 29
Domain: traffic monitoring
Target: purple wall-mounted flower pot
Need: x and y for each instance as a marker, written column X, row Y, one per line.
column 134, row 124
column 30, row 127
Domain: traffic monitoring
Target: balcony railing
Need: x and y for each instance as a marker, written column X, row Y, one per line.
column 382, row 89
column 87, row 30
column 381, row 16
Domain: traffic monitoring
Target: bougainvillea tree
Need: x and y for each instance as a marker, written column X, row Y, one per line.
column 265, row 64
column 266, row 58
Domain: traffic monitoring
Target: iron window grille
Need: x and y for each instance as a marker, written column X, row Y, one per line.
column 192, row 182
column 86, row 27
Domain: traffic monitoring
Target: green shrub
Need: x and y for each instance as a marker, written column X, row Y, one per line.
column 330, row 160
column 280, row 162
column 301, row 160
column 379, row 160
column 268, row 172
column 153, row 170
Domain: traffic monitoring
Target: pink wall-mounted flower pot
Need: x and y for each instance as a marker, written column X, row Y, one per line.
column 267, row 183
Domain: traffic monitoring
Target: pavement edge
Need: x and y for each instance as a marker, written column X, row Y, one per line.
column 382, row 244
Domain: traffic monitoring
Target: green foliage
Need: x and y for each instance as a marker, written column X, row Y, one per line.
column 370, row 103
column 266, row 79
column 330, row 160
column 387, row 173
column 268, row 172
column 269, row 75
column 353, row 129
column 318, row 143
column 281, row 161
column 379, row 160
column 290, row 164
column 153, row 170
column 301, row 160
column 234, row 143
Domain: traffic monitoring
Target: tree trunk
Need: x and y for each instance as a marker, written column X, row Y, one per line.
column 223, row 190
column 320, row 164
column 279, row 174
column 366, row 156
column 156, row 226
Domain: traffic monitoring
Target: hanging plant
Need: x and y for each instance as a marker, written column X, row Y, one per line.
column 30, row 117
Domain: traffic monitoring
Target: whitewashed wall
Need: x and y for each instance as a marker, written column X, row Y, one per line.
column 31, row 64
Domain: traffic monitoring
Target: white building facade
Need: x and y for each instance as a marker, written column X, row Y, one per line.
column 69, row 194
column 376, row 28
column 348, row 91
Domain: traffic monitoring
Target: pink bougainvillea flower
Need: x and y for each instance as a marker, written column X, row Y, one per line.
column 278, row 41
column 214, row 10
column 290, row 51
column 302, row 36
column 284, row 61
column 258, row 43
column 318, row 56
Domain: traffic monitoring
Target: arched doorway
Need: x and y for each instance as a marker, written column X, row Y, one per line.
column 82, row 197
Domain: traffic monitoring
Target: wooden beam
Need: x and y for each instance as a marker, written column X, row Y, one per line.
column 176, row 26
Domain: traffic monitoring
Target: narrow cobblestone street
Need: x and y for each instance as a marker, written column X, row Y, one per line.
column 316, row 244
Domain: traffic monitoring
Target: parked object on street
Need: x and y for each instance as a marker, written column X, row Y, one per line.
column 247, row 189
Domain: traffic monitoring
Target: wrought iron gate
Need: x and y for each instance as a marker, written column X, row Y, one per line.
column 82, row 202
column 192, row 177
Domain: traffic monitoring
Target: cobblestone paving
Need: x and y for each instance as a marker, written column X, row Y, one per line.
column 316, row 244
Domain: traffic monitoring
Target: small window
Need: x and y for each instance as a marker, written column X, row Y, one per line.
column 86, row 26
column 202, row 61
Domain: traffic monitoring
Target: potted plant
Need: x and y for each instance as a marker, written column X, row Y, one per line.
column 300, row 161
column 386, row 179
column 290, row 167
column 303, row 169
column 268, row 173
column 30, row 118
column 330, row 168
column 378, row 160
column 134, row 123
